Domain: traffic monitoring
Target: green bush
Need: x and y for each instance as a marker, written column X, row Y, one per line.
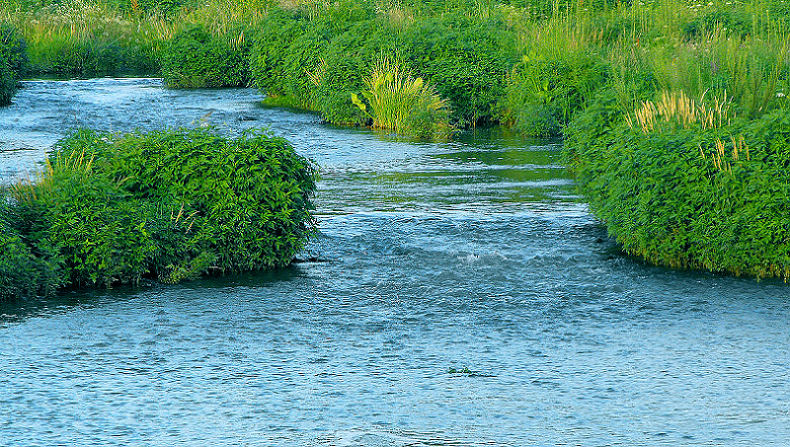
column 97, row 230
column 466, row 57
column 22, row 274
column 13, row 49
column 714, row 199
column 290, row 57
column 349, row 58
column 13, row 62
column 196, row 59
column 7, row 83
column 543, row 94
column 169, row 205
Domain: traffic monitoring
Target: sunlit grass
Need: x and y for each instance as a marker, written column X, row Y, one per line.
column 395, row 100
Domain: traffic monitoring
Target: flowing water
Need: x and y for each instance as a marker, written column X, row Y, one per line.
column 473, row 256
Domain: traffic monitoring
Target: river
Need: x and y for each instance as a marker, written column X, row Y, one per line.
column 462, row 295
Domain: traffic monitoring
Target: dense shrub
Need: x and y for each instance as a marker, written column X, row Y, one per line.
column 13, row 61
column 349, row 59
column 466, row 57
column 290, row 56
column 13, row 49
column 543, row 94
column 287, row 47
column 22, row 274
column 170, row 205
column 7, row 83
column 194, row 58
column 714, row 199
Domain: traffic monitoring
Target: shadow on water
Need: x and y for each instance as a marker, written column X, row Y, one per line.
column 16, row 311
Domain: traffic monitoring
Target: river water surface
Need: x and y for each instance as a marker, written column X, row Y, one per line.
column 470, row 254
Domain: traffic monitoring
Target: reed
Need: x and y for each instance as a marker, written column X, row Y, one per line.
column 397, row 101
column 677, row 109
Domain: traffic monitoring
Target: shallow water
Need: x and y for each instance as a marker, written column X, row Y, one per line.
column 475, row 253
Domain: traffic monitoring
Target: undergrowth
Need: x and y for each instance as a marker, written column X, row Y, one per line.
column 171, row 205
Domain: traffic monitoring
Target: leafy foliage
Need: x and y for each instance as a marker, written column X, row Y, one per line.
column 292, row 59
column 172, row 205
column 196, row 59
column 466, row 57
column 543, row 94
column 7, row 83
column 13, row 49
column 13, row 62
column 23, row 274
column 713, row 199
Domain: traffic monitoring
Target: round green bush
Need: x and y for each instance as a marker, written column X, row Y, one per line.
column 714, row 199
column 467, row 58
column 292, row 62
column 246, row 200
column 168, row 205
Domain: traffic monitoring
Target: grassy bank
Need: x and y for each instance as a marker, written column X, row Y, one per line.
column 171, row 205
column 94, row 38
column 682, row 149
column 528, row 64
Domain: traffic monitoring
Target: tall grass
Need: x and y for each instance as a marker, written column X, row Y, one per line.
column 677, row 109
column 85, row 38
column 395, row 100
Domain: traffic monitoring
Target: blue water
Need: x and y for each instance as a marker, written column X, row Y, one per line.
column 471, row 254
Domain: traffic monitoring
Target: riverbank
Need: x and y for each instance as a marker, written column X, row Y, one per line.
column 529, row 65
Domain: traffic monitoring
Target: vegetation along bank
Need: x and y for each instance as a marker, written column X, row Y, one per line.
column 673, row 112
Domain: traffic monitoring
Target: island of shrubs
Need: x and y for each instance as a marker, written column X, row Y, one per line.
column 172, row 205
